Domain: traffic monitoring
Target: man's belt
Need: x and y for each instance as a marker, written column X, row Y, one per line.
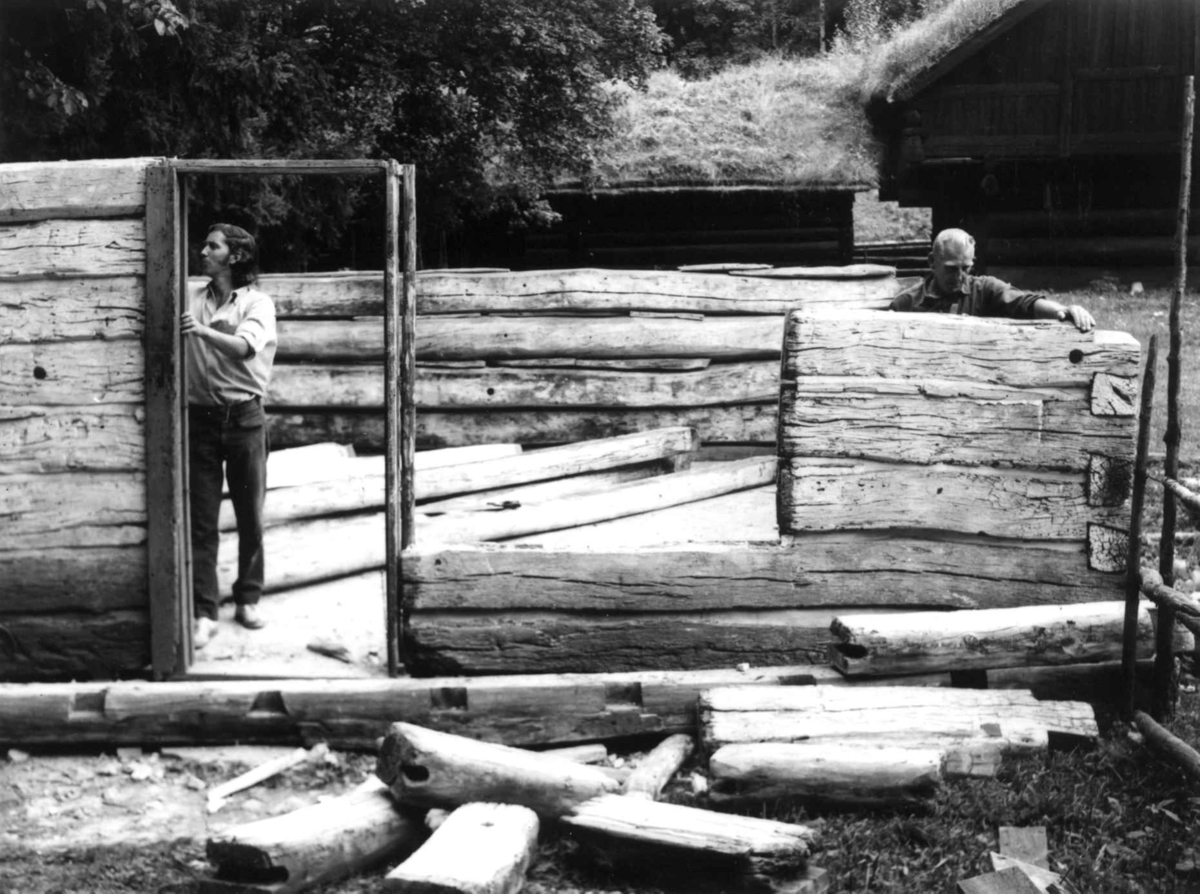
column 224, row 412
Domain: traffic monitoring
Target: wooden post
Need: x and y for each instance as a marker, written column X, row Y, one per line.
column 1164, row 667
column 1133, row 575
column 394, row 380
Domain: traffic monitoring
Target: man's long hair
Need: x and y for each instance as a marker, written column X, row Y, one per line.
column 245, row 269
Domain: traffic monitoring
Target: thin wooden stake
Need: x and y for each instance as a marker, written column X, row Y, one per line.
column 393, row 399
column 1164, row 665
column 1133, row 575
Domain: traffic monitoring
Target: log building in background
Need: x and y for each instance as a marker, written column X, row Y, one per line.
column 1051, row 132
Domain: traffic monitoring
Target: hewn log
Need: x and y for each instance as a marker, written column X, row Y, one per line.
column 74, row 309
column 1097, row 683
column 624, row 499
column 500, row 839
column 474, row 338
column 932, row 421
column 1113, row 395
column 73, row 646
column 310, row 550
column 836, row 773
column 1034, row 504
column 739, row 424
column 82, row 373
column 361, row 387
column 552, row 291
column 1000, row 352
column 677, row 364
column 319, row 844
column 99, row 438
column 655, row 770
column 921, row 642
column 326, row 461
column 822, row 570
column 67, row 248
column 70, row 578
column 94, row 188
column 81, row 509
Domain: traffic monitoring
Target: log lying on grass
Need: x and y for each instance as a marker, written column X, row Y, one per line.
column 924, row 642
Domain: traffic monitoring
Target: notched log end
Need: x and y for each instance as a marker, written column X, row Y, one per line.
column 243, row 862
column 1107, row 548
column 1110, row 480
column 399, row 764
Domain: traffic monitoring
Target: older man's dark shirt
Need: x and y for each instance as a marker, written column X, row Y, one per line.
column 981, row 296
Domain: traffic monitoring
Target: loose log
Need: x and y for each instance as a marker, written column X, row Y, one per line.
column 839, row 773
column 288, row 504
column 73, row 579
column 68, row 248
column 1033, row 504
column 104, row 438
column 361, row 387
column 73, row 646
column 475, row 338
column 500, row 839
column 435, row 769
column 73, row 373
column 594, row 753
column 1169, row 745
column 107, row 308
column 319, row 844
column 988, row 638
column 93, row 188
column 655, row 770
column 325, row 461
column 84, row 509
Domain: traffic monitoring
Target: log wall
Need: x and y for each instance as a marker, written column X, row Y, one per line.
column 73, row 561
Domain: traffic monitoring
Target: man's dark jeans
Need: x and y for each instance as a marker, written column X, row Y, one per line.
column 227, row 441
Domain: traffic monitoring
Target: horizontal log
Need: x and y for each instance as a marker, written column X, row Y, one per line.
column 539, row 709
column 1153, row 588
column 741, row 424
column 74, row 309
column 1168, row 744
column 476, row 338
column 97, row 438
column 94, row 188
column 677, row 364
column 988, row 638
column 1033, row 504
column 1023, row 354
column 329, row 461
column 587, row 290
column 815, row 571
column 930, row 421
column 835, row 273
column 837, row 774
column 651, row 236
column 361, row 387
column 81, row 509
column 73, row 579
column 69, row 248
column 73, row 646
column 74, row 374
column 1097, row 683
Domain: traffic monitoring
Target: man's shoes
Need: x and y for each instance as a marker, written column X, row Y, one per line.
column 248, row 617
column 205, row 630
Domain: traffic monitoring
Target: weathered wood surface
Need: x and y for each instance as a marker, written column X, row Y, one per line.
column 827, row 570
column 82, row 373
column 329, row 461
column 633, row 364
column 68, row 248
column 1026, row 843
column 73, row 645
column 83, row 509
column 818, row 494
column 539, row 709
column 1113, row 395
column 479, row 849
column 321, row 843
column 936, row 421
column 838, row 773
column 73, row 309
column 739, row 424
column 1098, row 683
column 94, row 188
column 655, row 770
column 44, row 439
column 361, row 387
column 481, row 338
column 1012, row 880
column 68, row 578
column 1000, row 352
column 579, row 290
column 987, row 638
column 826, row 272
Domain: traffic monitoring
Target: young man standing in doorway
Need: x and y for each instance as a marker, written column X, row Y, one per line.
column 230, row 336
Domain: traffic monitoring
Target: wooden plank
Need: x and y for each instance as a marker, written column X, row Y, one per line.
column 922, row 642
column 68, row 248
column 1023, row 354
column 817, row 571
column 1033, row 504
column 45, row 439
column 474, row 338
column 44, row 190
column 73, row 373
column 328, row 461
column 83, row 509
column 64, row 579
column 74, row 646
column 579, row 290
column 1026, row 843
column 1007, row 881
column 937, row 421
column 74, row 309
column 361, row 387
column 676, row 364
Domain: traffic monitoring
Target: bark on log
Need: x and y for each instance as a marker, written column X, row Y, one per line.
column 107, row 308
column 840, row 774
column 320, row 844
column 987, row 638
column 73, row 374
column 104, row 438
column 434, row 769
column 500, row 839
column 84, row 509
column 93, row 188
column 656, row 769
column 69, row 248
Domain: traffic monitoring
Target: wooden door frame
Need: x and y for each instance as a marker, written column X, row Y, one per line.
column 168, row 544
